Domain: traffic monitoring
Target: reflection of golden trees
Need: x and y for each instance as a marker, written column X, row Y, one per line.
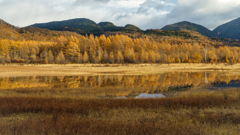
column 22, row 82
column 159, row 82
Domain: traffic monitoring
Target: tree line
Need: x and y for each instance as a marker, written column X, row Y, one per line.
column 114, row 49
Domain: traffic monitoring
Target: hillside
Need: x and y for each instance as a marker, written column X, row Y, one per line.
column 229, row 30
column 81, row 25
column 106, row 25
column 189, row 26
column 8, row 31
column 85, row 26
column 41, row 34
column 2, row 22
column 132, row 27
column 175, row 33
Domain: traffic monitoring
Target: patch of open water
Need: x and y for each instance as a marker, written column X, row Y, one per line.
column 133, row 86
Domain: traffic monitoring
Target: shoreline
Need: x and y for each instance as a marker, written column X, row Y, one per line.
column 110, row 69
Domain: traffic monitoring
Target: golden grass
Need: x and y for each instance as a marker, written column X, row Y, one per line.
column 74, row 125
column 197, row 113
column 110, row 69
column 74, row 93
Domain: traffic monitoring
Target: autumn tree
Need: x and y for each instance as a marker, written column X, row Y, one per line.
column 50, row 56
column 99, row 54
column 105, row 56
column 111, row 58
column 79, row 58
column 119, row 57
column 60, row 58
column 129, row 55
column 152, row 57
column 72, row 50
column 85, row 57
column 7, row 58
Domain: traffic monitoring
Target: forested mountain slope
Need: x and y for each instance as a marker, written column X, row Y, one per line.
column 189, row 26
column 229, row 30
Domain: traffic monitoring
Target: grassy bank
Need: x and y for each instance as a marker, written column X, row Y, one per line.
column 110, row 69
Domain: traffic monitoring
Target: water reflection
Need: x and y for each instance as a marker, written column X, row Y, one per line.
column 231, row 84
column 124, row 85
column 162, row 81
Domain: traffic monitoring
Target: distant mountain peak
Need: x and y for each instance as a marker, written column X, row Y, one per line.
column 229, row 30
column 9, row 25
column 189, row 26
column 185, row 22
column 106, row 24
column 133, row 27
column 77, row 24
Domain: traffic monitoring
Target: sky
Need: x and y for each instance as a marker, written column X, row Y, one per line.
column 146, row 14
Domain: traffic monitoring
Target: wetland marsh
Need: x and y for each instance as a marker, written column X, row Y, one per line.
column 117, row 101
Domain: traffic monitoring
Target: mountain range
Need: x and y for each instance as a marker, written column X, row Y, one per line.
column 86, row 26
column 228, row 30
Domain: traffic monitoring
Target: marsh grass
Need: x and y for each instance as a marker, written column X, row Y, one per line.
column 48, row 105
column 73, row 126
column 195, row 113
column 74, row 93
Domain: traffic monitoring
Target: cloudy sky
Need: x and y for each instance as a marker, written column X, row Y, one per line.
column 145, row 14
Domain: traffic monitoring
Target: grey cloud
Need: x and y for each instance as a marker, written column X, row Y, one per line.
column 188, row 8
column 150, row 11
column 142, row 10
column 210, row 13
column 149, row 14
column 89, row 2
column 147, row 5
column 207, row 13
column 21, row 12
column 122, row 16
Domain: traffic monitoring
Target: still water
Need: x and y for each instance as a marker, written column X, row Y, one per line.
column 123, row 86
